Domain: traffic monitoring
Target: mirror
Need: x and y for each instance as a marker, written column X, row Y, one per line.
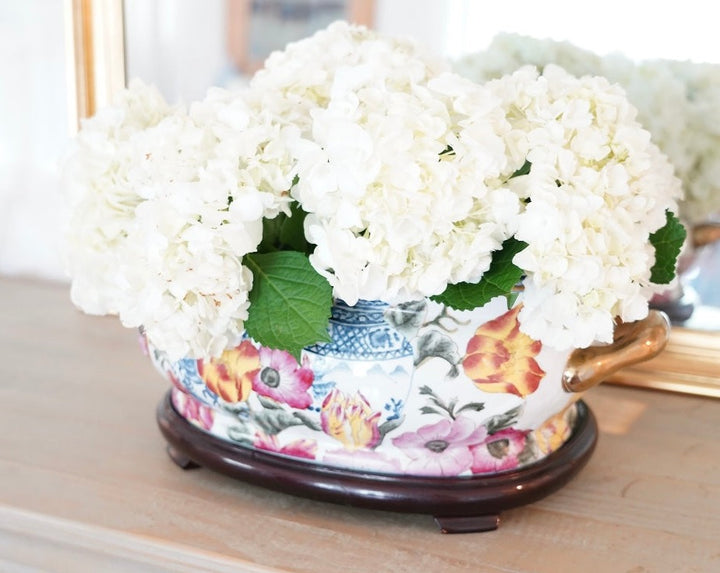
column 183, row 47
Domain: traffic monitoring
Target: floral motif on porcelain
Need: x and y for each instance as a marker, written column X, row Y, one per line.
column 415, row 389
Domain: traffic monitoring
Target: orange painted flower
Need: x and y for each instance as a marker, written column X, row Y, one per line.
column 350, row 420
column 500, row 358
column 230, row 376
column 553, row 433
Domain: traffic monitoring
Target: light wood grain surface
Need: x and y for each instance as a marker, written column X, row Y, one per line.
column 86, row 485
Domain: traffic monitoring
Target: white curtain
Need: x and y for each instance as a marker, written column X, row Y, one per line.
column 33, row 136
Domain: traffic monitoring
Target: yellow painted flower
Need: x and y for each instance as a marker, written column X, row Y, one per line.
column 500, row 358
column 553, row 433
column 230, row 375
column 350, row 420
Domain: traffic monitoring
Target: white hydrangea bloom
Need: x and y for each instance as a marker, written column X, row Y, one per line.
column 678, row 102
column 662, row 104
column 168, row 207
column 597, row 188
column 100, row 196
column 392, row 215
column 302, row 77
column 407, row 173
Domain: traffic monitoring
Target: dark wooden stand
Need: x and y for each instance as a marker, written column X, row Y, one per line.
column 459, row 505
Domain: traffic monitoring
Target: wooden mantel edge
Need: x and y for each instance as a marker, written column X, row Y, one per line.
column 120, row 547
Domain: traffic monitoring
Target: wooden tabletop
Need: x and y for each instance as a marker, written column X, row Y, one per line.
column 86, row 485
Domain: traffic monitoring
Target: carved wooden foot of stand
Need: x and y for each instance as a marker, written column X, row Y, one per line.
column 181, row 459
column 468, row 524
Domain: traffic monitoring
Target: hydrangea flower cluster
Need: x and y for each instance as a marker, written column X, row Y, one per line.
column 386, row 175
column 165, row 204
column 401, row 165
column 676, row 101
column 591, row 201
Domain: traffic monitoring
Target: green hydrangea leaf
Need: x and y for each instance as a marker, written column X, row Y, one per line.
column 289, row 302
column 285, row 233
column 498, row 280
column 524, row 170
column 667, row 240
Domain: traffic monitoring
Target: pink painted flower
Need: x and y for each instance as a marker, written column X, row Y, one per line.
column 500, row 451
column 192, row 410
column 306, row 449
column 441, row 449
column 281, row 378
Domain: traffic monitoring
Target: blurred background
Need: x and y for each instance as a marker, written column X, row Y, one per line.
column 185, row 46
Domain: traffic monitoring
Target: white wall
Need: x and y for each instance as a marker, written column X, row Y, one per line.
column 640, row 29
column 182, row 70
column 425, row 20
column 33, row 135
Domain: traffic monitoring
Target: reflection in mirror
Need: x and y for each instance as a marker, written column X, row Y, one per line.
column 183, row 47
column 256, row 29
column 674, row 100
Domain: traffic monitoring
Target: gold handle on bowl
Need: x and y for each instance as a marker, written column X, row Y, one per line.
column 634, row 342
column 705, row 233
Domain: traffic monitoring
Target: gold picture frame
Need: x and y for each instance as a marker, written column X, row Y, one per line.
column 689, row 364
column 95, row 44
